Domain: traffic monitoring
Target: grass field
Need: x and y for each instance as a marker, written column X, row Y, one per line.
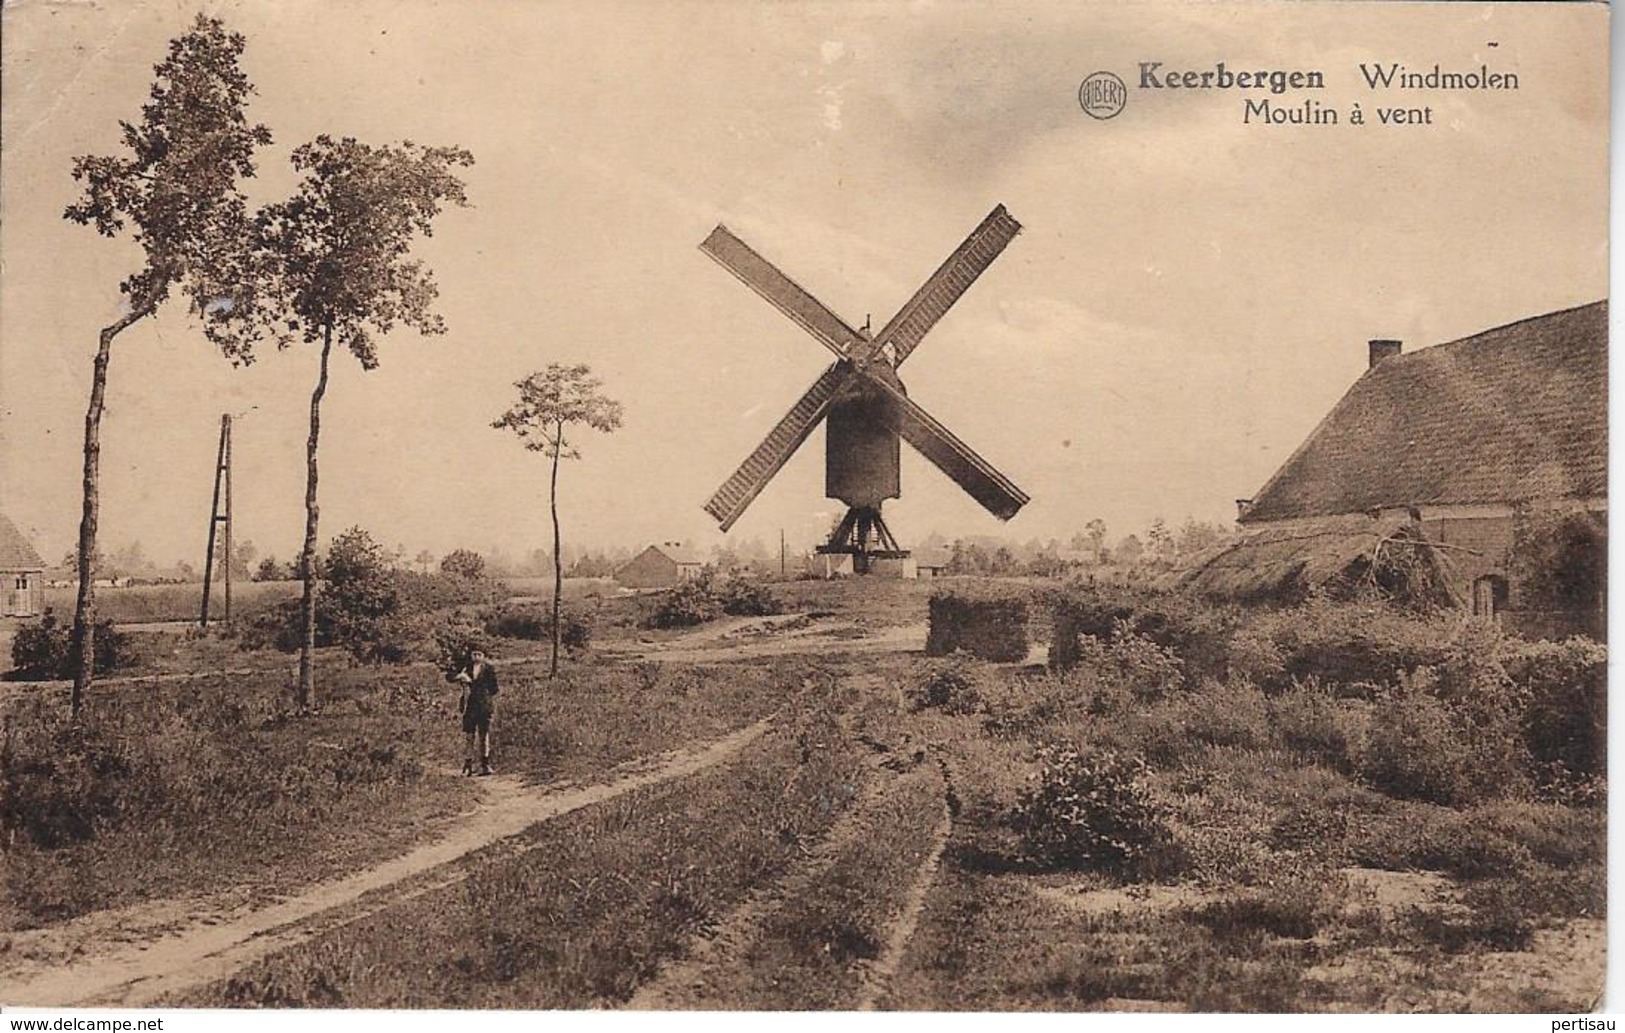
column 1326, row 809
column 141, row 604
column 593, row 904
column 199, row 785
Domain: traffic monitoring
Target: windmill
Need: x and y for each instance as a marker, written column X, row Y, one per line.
column 867, row 409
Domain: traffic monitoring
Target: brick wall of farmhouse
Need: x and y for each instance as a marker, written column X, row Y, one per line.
column 1488, row 538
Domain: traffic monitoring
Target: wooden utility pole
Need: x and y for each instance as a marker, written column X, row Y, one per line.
column 222, row 478
column 781, row 552
column 230, row 556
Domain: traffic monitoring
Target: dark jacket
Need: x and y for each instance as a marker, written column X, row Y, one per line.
column 479, row 693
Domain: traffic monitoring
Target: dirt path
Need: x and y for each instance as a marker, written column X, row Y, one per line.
column 723, row 970
column 738, row 643
column 877, row 980
column 187, row 944
column 702, row 978
column 735, row 638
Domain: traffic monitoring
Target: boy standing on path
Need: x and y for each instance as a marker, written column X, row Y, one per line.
column 479, row 681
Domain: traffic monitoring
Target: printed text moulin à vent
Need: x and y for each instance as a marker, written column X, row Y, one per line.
column 1384, row 76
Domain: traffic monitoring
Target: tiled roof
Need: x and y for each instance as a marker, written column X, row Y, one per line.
column 15, row 552
column 1513, row 414
column 679, row 554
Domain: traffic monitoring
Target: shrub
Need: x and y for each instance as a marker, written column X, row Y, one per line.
column 1293, row 907
column 1559, row 559
column 1422, row 747
column 691, row 602
column 534, row 623
column 1491, row 915
column 949, row 684
column 1566, row 721
column 1232, row 714
column 455, row 639
column 422, row 593
column 1358, row 647
column 358, row 593
column 277, row 628
column 42, row 651
column 1094, row 811
column 356, row 605
column 1317, row 725
column 1462, row 846
column 1197, row 631
column 990, row 626
column 1130, row 662
column 743, row 597
column 520, row 620
column 463, row 563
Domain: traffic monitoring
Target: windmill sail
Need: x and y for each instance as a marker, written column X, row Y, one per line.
column 996, row 492
column 781, row 292
column 737, row 492
column 932, row 301
column 857, row 350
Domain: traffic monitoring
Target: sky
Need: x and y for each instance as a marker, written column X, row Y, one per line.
column 1189, row 296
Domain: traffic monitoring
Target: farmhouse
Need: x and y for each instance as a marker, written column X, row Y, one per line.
column 1434, row 462
column 21, row 573
column 659, row 566
column 932, row 561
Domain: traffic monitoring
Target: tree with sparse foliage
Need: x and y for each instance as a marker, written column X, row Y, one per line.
column 176, row 187
column 1198, row 535
column 332, row 264
column 1091, row 540
column 1159, row 542
column 268, row 570
column 1129, row 551
column 242, row 560
column 550, row 402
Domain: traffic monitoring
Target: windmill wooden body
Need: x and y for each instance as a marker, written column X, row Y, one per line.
column 867, row 409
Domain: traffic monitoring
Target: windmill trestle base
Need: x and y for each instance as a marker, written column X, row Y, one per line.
column 833, row 561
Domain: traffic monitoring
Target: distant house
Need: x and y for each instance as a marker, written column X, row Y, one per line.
column 22, row 573
column 659, row 566
column 1437, row 456
column 932, row 561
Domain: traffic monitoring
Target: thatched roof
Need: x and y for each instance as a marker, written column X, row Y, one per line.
column 1339, row 554
column 16, row 554
column 1514, row 414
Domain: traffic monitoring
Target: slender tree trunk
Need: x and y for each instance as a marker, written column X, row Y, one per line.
column 83, row 649
column 558, row 559
column 307, row 558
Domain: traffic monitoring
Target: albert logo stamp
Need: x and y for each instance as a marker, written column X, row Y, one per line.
column 1102, row 95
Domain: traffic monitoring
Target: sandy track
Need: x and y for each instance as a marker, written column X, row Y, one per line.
column 877, row 979
column 717, row 971
column 738, row 643
column 206, row 948
column 702, row 977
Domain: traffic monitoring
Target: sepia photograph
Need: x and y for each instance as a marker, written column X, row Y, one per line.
column 899, row 506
